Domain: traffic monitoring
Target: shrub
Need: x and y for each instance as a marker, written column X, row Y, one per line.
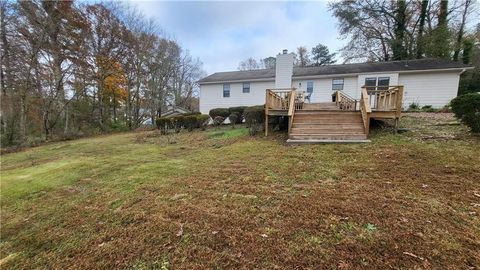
column 202, row 120
column 254, row 118
column 223, row 112
column 190, row 122
column 163, row 124
column 233, row 117
column 414, row 106
column 240, row 111
column 218, row 120
column 178, row 122
column 428, row 108
column 118, row 127
column 191, row 113
column 467, row 109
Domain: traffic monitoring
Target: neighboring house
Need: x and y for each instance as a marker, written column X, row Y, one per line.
column 426, row 82
column 174, row 111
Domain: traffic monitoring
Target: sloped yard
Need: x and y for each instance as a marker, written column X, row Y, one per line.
column 223, row 200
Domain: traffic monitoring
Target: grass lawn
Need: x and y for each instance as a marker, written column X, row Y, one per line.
column 221, row 199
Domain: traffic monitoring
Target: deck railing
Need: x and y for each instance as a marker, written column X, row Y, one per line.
column 278, row 99
column 345, row 102
column 365, row 109
column 283, row 99
column 385, row 98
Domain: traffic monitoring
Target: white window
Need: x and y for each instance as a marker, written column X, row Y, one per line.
column 310, row 87
column 226, row 90
column 337, row 84
column 380, row 83
column 383, row 83
column 246, row 87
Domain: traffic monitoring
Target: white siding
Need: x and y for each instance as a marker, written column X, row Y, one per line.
column 361, row 80
column 436, row 89
column 426, row 88
column 322, row 88
column 211, row 95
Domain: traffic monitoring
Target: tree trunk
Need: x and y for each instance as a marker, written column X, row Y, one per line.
column 458, row 43
column 23, row 118
column 398, row 43
column 421, row 29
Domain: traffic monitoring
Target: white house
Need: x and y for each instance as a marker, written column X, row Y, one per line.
column 426, row 81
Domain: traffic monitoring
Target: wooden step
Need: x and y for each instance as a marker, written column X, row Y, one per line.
column 328, row 131
column 328, row 125
column 328, row 121
column 323, row 136
column 328, row 112
column 325, row 141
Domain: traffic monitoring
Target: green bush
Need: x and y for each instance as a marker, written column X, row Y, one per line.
column 218, row 120
column 467, row 109
column 191, row 113
column 178, row 122
column 223, row 112
column 240, row 111
column 233, row 117
column 254, row 118
column 428, row 108
column 118, row 127
column 190, row 122
column 202, row 120
column 414, row 106
column 163, row 123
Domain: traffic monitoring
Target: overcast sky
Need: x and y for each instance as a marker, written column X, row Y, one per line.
column 223, row 33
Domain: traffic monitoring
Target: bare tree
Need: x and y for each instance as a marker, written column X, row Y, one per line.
column 249, row 64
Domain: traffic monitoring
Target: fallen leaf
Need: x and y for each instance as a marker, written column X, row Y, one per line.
column 180, row 232
column 413, row 255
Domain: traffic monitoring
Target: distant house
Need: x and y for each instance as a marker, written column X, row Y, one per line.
column 174, row 111
column 426, row 81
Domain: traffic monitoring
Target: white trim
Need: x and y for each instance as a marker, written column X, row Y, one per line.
column 240, row 81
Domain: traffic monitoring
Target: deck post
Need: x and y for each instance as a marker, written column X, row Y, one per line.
column 266, row 112
column 266, row 125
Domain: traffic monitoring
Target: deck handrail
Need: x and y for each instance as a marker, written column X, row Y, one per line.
column 385, row 98
column 279, row 99
column 345, row 102
column 365, row 110
column 291, row 109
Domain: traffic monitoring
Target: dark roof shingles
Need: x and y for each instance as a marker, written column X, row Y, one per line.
column 404, row 65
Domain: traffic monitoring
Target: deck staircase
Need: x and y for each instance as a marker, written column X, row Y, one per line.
column 325, row 123
column 346, row 120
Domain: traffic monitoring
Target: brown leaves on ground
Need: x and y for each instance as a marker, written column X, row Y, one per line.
column 257, row 203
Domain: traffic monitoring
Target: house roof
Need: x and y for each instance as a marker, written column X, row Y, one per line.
column 172, row 111
column 399, row 66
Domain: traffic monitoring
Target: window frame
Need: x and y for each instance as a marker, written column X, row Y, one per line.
column 243, row 87
column 371, row 87
column 310, row 82
column 383, row 87
column 338, row 84
column 226, row 85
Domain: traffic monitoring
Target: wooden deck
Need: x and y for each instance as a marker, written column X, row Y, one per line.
column 346, row 119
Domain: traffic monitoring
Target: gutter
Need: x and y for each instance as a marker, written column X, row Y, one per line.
column 239, row 81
